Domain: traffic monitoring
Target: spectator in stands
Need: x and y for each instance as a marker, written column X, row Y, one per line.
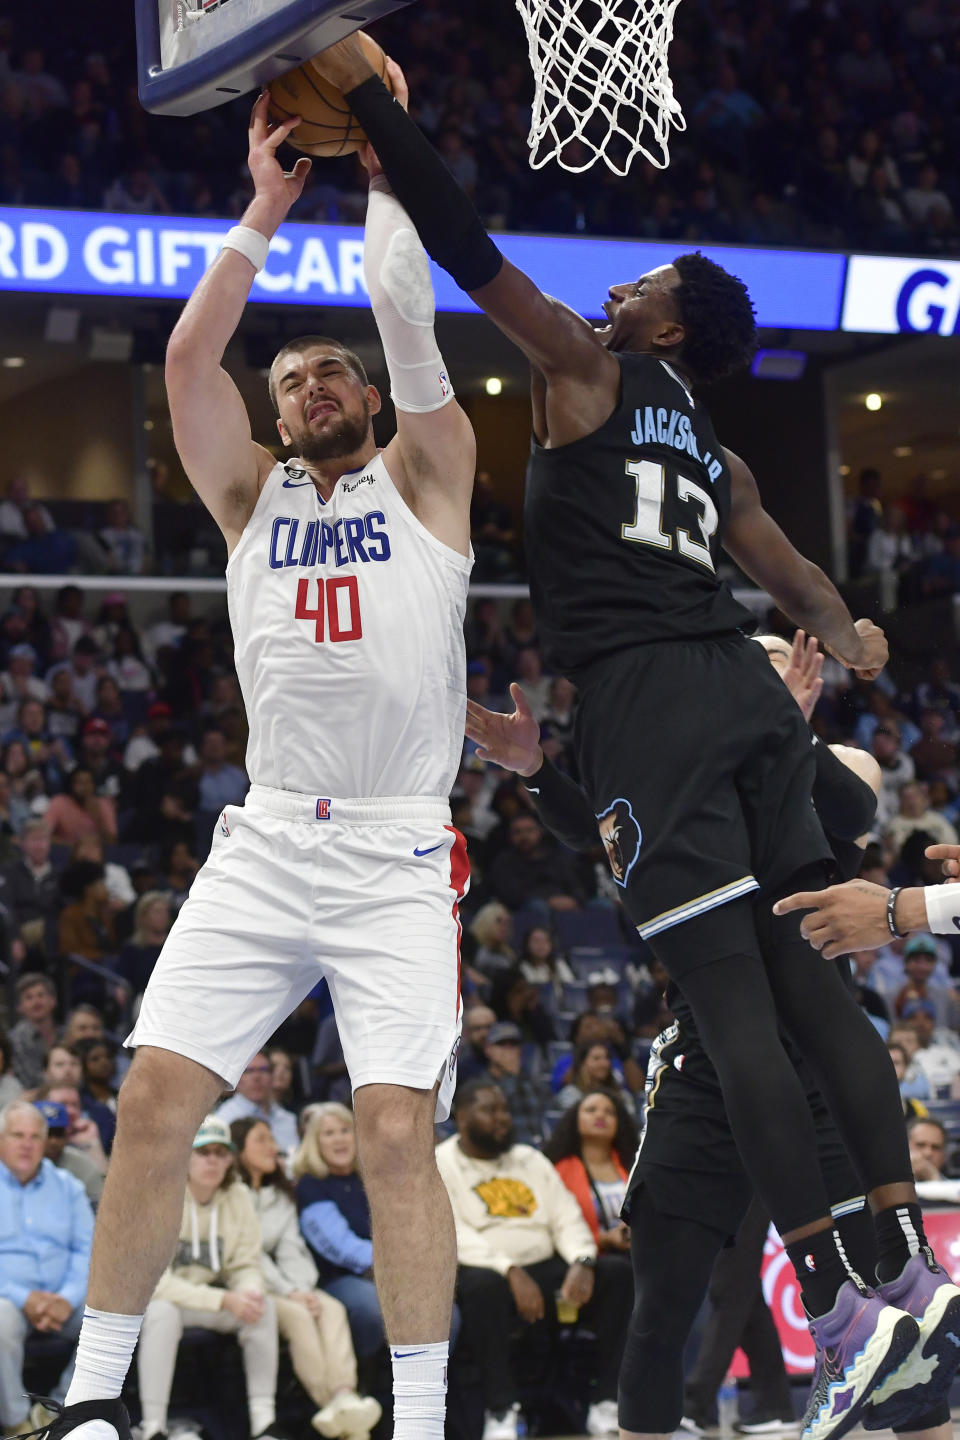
column 521, row 1241
column 472, row 1060
column 313, row 1323
column 281, row 1077
column 10, row 1086
column 925, row 196
column 127, row 668
column 13, row 524
column 125, row 544
column 220, row 784
column 513, row 998
column 535, row 685
column 87, row 925
column 928, row 1148
column 63, row 1066
column 96, row 755
column 940, row 574
column 136, row 193
column 44, row 551
column 64, row 711
column 84, row 1022
column 84, row 671
column 939, row 692
column 98, row 1094
column 14, row 814
column 866, row 515
column 144, row 743
column 919, row 962
column 120, row 890
column 253, row 1098
column 215, row 1282
column 540, row 961
column 335, row 1219
column 897, row 770
column 938, row 1053
column 46, row 1230
column 915, row 815
column 593, row 1146
column 36, row 1030
column 556, row 725
column 47, row 755
column 83, row 1132
column 180, row 868
column 534, row 868
column 331, row 1080
column 492, row 535
column 526, row 1096
column 935, row 757
column 592, row 1069
column 912, row 1109
column 110, row 708
column 164, row 795
column 139, row 954
column 490, row 953
column 68, row 1157
column 520, row 630
column 29, row 889
column 167, row 634
column 483, row 631
column 69, row 624
column 79, row 811
column 19, row 682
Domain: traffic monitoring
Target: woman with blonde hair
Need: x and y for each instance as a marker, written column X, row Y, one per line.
column 314, row 1324
column 490, row 932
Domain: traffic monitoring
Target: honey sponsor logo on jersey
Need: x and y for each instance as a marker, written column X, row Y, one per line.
column 622, row 838
column 506, row 1199
column 348, row 486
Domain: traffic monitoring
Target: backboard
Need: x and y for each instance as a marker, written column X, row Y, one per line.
column 195, row 54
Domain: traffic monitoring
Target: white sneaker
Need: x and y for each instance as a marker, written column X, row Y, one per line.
column 501, row 1427
column 348, row 1414
column 602, row 1418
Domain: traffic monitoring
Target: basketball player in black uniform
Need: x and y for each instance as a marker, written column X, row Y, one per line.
column 686, row 742
column 688, row 1191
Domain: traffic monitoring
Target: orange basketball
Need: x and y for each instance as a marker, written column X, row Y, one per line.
column 327, row 127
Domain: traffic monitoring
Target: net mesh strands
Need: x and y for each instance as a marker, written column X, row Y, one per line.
column 602, row 83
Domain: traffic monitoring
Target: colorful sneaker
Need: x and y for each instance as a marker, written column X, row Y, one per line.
column 90, row 1420
column 859, row 1343
column 924, row 1290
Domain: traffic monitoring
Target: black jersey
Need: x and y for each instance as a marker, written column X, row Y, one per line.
column 623, row 528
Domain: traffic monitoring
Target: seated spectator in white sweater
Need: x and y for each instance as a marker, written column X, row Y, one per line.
column 314, row 1324
column 216, row 1282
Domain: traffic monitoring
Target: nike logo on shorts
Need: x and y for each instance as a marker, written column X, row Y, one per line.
column 429, row 851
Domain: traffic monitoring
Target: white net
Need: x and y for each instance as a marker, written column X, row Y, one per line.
column 602, row 86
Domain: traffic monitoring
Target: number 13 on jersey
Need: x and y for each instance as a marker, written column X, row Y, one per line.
column 651, row 480
column 336, row 615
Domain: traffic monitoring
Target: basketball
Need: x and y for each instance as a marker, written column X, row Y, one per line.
column 327, row 127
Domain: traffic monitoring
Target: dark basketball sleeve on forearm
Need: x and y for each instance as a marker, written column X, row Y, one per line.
column 562, row 806
column 845, row 804
column 451, row 230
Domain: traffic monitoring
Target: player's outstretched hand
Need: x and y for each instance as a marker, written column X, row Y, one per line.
column 949, row 857
column 277, row 188
column 510, row 741
column 845, row 917
column 802, row 676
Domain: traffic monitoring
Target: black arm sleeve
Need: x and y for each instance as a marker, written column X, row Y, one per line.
column 562, row 806
column 450, row 228
column 845, row 804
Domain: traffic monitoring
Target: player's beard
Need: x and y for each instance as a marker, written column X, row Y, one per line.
column 343, row 437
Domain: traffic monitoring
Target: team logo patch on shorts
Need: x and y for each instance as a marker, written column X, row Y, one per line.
column 453, row 1056
column 224, row 827
column 622, row 838
column 323, row 809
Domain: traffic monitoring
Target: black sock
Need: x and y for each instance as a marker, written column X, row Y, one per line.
column 820, row 1270
column 900, row 1235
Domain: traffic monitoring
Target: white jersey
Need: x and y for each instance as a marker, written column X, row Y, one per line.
column 347, row 620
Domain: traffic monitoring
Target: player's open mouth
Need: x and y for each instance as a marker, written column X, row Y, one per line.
column 316, row 412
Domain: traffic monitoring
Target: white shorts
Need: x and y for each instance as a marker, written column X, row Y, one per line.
column 363, row 892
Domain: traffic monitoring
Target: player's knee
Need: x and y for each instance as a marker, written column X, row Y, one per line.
column 394, row 1132
column 163, row 1094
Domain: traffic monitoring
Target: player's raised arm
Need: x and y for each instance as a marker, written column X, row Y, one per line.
column 433, row 455
column 210, row 424
column 552, row 337
column 755, row 541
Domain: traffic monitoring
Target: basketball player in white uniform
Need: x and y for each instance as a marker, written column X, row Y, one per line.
column 347, row 581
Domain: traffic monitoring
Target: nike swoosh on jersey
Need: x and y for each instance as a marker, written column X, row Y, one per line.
column 429, row 850
column 295, row 484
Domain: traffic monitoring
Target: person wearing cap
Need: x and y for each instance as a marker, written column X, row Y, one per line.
column 938, row 1053
column 527, row 1097
column 919, row 962
column 144, row 743
column 214, row 1282
column 46, row 1230
column 95, row 753
column 20, row 682
column 69, row 1157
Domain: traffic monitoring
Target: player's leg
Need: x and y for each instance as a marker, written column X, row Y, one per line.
column 672, row 1260
column 414, row 1243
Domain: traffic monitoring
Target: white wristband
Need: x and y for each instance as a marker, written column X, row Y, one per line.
column 249, row 243
column 943, row 908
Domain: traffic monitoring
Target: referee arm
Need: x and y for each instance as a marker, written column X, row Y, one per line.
column 856, row 916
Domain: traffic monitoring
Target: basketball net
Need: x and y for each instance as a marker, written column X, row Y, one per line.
column 601, row 79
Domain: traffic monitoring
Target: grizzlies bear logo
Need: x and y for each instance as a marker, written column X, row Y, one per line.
column 622, row 837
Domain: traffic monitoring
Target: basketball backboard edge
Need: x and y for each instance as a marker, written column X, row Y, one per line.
column 296, row 30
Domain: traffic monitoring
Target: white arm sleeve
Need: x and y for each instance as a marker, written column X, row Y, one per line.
column 943, row 908
column 401, row 297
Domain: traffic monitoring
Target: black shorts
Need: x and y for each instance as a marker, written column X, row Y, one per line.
column 699, row 767
column 688, row 1159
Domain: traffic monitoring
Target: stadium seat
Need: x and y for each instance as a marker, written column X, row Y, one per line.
column 596, row 926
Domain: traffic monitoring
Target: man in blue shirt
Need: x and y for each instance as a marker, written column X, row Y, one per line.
column 253, row 1097
column 46, row 1229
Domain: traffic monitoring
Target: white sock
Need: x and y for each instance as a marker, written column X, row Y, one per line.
column 104, row 1352
column 263, row 1412
column 419, row 1391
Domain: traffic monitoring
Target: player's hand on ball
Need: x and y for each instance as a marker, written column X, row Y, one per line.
column 344, row 64
column 277, row 187
column 510, row 741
